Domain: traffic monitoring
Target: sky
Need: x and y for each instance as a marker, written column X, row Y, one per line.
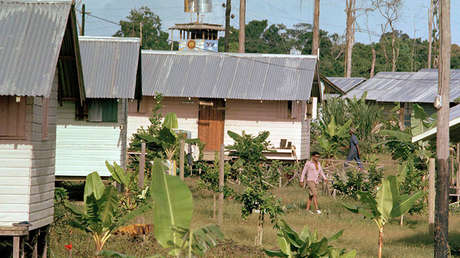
column 413, row 19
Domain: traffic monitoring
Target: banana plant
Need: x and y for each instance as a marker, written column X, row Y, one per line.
column 172, row 214
column 306, row 244
column 387, row 204
column 100, row 215
column 332, row 136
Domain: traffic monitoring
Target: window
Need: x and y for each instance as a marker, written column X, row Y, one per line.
column 103, row 110
column 12, row 117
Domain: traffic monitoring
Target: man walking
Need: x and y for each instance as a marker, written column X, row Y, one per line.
column 313, row 170
column 353, row 152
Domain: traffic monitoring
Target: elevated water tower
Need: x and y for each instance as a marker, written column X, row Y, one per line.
column 197, row 36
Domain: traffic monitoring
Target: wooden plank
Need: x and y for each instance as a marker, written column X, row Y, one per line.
column 181, row 159
column 142, row 166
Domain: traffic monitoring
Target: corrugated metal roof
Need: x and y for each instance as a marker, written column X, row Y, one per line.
column 225, row 75
column 30, row 41
column 110, row 66
column 420, row 87
column 346, row 84
column 454, row 122
column 381, row 86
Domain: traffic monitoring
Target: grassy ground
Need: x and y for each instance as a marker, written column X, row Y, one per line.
column 410, row 241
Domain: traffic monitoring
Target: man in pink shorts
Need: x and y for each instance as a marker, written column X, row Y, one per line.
column 313, row 170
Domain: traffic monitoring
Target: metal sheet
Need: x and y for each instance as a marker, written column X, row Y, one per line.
column 197, row 6
column 109, row 66
column 225, row 75
column 412, row 87
column 30, row 41
column 346, row 84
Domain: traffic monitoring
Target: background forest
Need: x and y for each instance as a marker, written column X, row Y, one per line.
column 261, row 37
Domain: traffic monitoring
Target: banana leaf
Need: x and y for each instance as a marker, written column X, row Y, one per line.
column 93, row 185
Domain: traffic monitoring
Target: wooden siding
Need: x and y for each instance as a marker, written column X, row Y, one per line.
column 273, row 116
column 41, row 200
column 250, row 116
column 83, row 147
column 187, row 114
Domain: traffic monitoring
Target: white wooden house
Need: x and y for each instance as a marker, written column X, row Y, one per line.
column 39, row 67
column 212, row 93
column 112, row 76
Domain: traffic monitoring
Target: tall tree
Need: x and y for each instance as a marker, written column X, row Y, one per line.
column 242, row 36
column 430, row 32
column 228, row 10
column 350, row 34
column 441, row 246
column 390, row 11
column 315, row 43
column 152, row 35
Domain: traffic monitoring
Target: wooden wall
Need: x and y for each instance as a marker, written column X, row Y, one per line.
column 83, row 147
column 27, row 167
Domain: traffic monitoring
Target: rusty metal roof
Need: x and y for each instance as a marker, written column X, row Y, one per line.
column 30, row 42
column 110, row 66
column 228, row 75
column 197, row 26
column 346, row 84
column 415, row 87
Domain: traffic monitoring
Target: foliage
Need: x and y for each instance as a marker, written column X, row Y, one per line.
column 355, row 181
column 172, row 214
column 256, row 195
column 100, row 215
column 386, row 205
column 306, row 244
column 411, row 180
column 209, row 178
column 332, row 137
column 152, row 35
column 61, row 197
column 132, row 195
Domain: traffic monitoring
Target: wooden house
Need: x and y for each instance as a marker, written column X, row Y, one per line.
column 39, row 68
column 346, row 84
column 454, row 128
column 212, row 93
column 111, row 71
column 405, row 89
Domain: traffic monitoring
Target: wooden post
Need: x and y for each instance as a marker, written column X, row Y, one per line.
column 83, row 14
column 142, row 166
column 220, row 211
column 441, row 246
column 242, row 35
column 181, row 159
column 431, row 194
column 315, row 43
column 228, row 10
column 430, row 33
column 16, row 246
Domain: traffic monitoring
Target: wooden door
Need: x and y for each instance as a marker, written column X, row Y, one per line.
column 211, row 124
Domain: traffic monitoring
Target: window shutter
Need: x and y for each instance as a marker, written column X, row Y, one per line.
column 110, row 111
column 95, row 111
column 12, row 117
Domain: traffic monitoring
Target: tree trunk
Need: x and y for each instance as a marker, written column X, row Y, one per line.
column 401, row 221
column 315, row 43
column 228, row 10
column 260, row 229
column 393, row 50
column 242, row 35
column 373, row 62
column 350, row 10
column 430, row 33
column 380, row 242
column 441, row 246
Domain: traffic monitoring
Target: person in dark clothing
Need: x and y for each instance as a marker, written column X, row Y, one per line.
column 353, row 152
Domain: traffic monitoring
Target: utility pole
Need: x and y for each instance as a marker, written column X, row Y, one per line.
column 350, row 34
column 242, row 35
column 228, row 9
column 441, row 245
column 430, row 32
column 315, row 43
column 83, row 14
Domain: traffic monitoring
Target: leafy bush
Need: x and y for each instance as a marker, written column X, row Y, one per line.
column 306, row 244
column 355, row 181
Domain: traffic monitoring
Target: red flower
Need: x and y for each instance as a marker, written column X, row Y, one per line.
column 68, row 247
